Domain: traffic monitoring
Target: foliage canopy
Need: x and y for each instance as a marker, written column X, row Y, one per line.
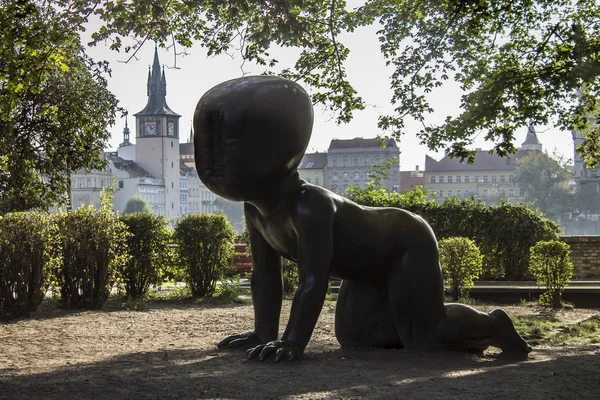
column 515, row 60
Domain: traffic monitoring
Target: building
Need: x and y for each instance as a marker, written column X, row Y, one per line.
column 157, row 139
column 312, row 168
column 86, row 188
column 411, row 179
column 490, row 177
column 350, row 162
column 200, row 199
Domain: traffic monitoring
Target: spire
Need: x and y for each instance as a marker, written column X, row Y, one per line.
column 157, row 90
column 125, row 135
column 531, row 140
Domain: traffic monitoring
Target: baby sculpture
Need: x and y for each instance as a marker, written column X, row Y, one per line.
column 250, row 134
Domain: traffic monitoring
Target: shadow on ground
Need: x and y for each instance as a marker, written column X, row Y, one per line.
column 372, row 374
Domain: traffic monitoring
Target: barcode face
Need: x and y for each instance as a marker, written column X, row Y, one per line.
column 217, row 159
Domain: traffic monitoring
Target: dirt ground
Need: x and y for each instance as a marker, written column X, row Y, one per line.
column 168, row 351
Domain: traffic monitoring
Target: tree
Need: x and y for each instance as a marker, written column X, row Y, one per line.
column 54, row 103
column 551, row 265
column 136, row 205
column 515, row 60
column 546, row 183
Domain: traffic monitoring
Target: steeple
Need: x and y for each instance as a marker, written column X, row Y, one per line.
column 156, row 91
column 531, row 140
column 126, row 141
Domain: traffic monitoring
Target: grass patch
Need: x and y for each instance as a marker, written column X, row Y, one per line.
column 547, row 331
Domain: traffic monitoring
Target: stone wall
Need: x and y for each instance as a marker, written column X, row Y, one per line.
column 585, row 255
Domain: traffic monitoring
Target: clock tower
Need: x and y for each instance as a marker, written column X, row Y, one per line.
column 157, row 139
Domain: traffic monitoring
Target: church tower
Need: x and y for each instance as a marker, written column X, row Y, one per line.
column 157, row 138
column 531, row 140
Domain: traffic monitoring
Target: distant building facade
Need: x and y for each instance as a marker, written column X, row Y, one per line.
column 349, row 162
column 411, row 179
column 312, row 169
column 490, row 177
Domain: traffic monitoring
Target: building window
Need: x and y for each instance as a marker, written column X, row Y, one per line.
column 511, row 178
column 356, row 162
column 485, row 179
column 333, row 162
column 335, row 177
column 120, row 184
column 450, row 192
column 502, row 178
column 441, row 179
column 432, row 179
column 442, row 193
column 345, row 176
column 310, row 164
column 457, row 178
column 172, row 206
column 476, row 178
column 467, row 179
column 449, row 178
column 511, row 192
column 521, row 193
column 485, row 192
column 308, row 180
column 493, row 178
column 467, row 192
column 171, row 164
column 458, row 192
column 316, row 180
column 356, row 176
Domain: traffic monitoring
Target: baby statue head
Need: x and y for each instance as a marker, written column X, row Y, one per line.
column 250, row 134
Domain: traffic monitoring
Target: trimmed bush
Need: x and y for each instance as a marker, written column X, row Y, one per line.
column 204, row 250
column 461, row 263
column 149, row 254
column 290, row 277
column 28, row 249
column 94, row 244
column 551, row 265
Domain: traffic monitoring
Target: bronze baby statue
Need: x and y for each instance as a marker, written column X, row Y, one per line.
column 249, row 137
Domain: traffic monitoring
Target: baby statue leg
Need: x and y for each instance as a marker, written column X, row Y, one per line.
column 363, row 316
column 464, row 328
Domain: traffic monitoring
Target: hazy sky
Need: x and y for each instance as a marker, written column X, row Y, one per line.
column 366, row 69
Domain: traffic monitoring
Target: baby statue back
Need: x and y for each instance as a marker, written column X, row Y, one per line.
column 249, row 136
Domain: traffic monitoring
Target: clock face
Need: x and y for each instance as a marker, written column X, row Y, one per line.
column 150, row 129
column 171, row 130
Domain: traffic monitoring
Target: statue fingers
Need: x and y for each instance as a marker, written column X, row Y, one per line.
column 253, row 352
column 284, row 352
column 267, row 352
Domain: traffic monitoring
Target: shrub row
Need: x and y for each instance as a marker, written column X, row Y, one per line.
column 83, row 253
column 504, row 233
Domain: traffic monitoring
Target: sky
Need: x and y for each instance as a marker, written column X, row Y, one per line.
column 196, row 73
